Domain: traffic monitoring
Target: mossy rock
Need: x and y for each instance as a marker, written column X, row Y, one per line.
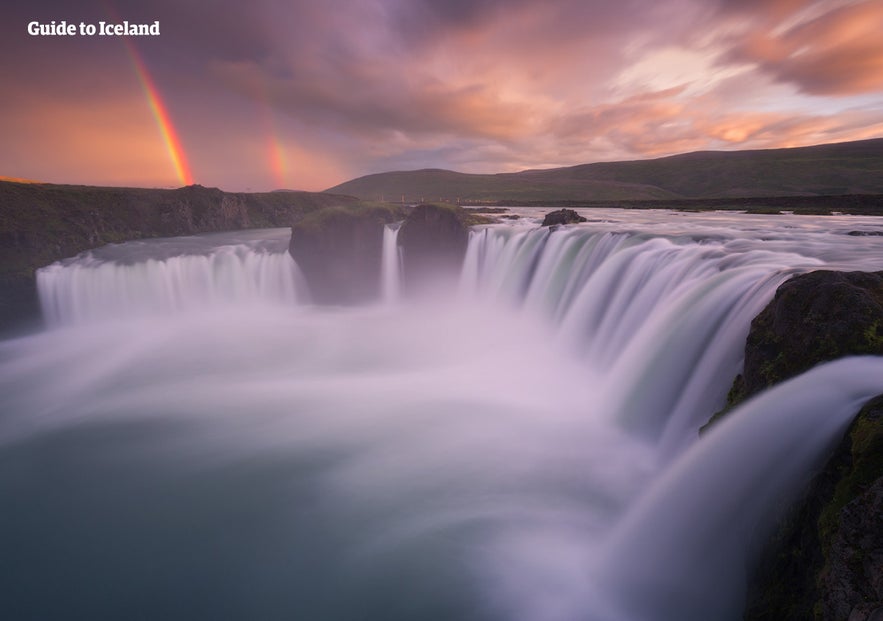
column 826, row 560
column 814, row 318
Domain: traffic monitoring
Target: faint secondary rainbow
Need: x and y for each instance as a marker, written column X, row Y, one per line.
column 275, row 148
column 161, row 114
column 277, row 160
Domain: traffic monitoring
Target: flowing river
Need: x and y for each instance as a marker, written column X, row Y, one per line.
column 191, row 438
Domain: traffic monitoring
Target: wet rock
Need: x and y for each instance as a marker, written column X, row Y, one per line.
column 339, row 252
column 826, row 560
column 433, row 240
column 814, row 318
column 562, row 216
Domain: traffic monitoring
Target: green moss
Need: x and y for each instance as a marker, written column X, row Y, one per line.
column 866, row 452
column 873, row 338
column 360, row 210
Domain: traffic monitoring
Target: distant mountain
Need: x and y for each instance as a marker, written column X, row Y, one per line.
column 828, row 169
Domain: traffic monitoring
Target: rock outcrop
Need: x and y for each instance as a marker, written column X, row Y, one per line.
column 42, row 223
column 562, row 216
column 339, row 252
column 433, row 240
column 826, row 560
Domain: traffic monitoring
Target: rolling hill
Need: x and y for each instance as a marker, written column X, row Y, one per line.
column 822, row 170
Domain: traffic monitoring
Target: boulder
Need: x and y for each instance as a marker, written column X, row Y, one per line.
column 562, row 216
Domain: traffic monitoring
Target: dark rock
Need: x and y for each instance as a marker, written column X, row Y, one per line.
column 19, row 304
column 433, row 240
column 814, row 318
column 562, row 216
column 41, row 223
column 339, row 252
column 826, row 560
column 851, row 526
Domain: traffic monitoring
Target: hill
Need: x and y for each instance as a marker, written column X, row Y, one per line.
column 821, row 170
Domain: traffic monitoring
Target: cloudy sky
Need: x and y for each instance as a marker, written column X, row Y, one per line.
column 302, row 94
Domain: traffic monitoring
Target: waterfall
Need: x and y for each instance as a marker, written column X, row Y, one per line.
column 646, row 311
column 391, row 264
column 686, row 555
column 116, row 282
column 524, row 447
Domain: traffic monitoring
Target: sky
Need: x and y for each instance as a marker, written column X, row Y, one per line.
column 299, row 94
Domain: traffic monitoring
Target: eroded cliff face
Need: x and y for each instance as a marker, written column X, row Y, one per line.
column 826, row 560
column 42, row 223
column 339, row 252
column 433, row 240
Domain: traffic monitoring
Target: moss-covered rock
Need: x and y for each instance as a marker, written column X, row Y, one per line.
column 813, row 318
column 826, row 560
column 339, row 251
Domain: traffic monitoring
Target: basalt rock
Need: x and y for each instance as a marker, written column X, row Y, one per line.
column 814, row 318
column 562, row 216
column 826, row 560
column 339, row 252
column 433, row 240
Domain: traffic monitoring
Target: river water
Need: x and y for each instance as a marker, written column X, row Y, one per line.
column 191, row 438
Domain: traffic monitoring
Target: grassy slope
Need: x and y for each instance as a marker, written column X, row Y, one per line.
column 845, row 168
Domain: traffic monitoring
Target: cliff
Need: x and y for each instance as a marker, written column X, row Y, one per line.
column 339, row 251
column 826, row 560
column 42, row 223
column 433, row 241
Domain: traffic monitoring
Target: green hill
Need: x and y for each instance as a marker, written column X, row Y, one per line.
column 822, row 170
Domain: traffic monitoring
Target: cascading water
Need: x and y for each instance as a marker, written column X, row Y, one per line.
column 391, row 265
column 171, row 275
column 524, row 450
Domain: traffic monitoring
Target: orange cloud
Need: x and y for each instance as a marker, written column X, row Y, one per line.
column 837, row 53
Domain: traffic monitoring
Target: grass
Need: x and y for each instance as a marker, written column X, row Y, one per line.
column 823, row 170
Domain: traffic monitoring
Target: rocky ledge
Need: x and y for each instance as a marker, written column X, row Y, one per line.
column 826, row 560
column 433, row 240
column 339, row 249
column 41, row 223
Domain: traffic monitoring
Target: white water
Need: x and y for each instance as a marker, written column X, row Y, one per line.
column 163, row 277
column 391, row 265
column 524, row 450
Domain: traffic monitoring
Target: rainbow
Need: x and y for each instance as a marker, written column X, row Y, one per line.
column 275, row 148
column 161, row 114
column 277, row 159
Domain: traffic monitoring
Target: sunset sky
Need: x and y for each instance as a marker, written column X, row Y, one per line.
column 304, row 95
